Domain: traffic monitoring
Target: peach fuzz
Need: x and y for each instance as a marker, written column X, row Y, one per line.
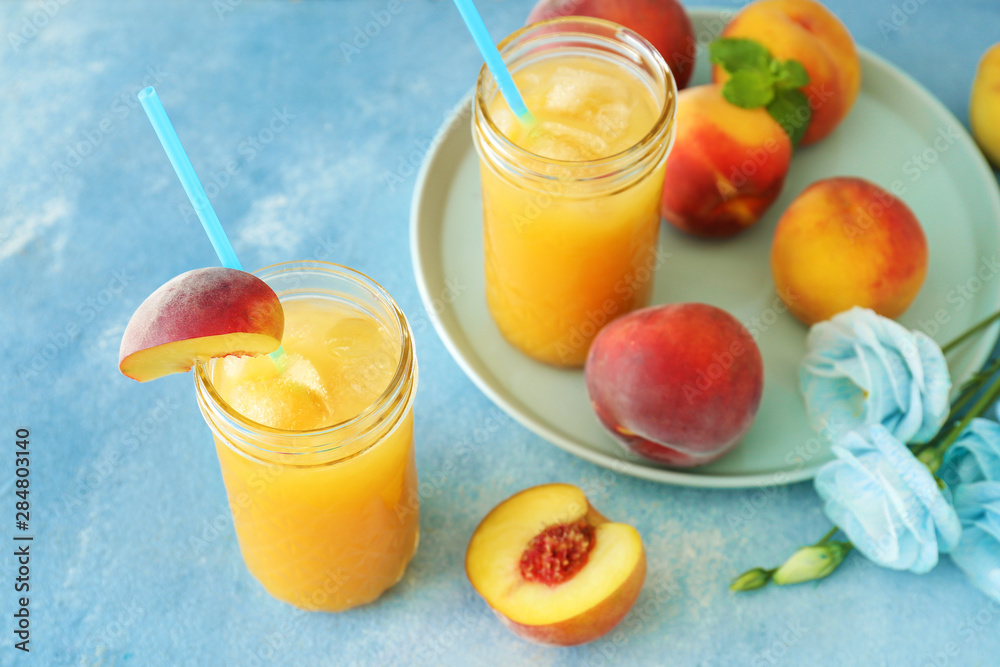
column 205, row 313
column 846, row 242
column 679, row 384
column 663, row 23
column 727, row 166
column 553, row 568
column 806, row 31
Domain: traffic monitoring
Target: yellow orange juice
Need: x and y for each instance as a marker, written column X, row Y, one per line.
column 323, row 489
column 571, row 204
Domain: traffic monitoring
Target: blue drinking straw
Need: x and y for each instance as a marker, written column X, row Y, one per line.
column 493, row 60
column 192, row 186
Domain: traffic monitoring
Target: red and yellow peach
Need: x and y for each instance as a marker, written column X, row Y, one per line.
column 806, row 31
column 846, row 242
column 663, row 23
column 679, row 384
column 727, row 165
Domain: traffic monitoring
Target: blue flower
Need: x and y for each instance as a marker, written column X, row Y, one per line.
column 978, row 552
column 887, row 502
column 864, row 369
column 972, row 466
column 975, row 456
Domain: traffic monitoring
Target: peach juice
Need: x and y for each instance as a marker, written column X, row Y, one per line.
column 316, row 447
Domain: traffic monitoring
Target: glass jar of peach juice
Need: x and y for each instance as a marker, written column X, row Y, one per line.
column 316, row 446
column 571, row 204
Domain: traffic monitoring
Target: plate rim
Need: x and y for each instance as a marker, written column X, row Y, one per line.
column 461, row 112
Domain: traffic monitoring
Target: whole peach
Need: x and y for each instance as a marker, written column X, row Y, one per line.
column 984, row 105
column 727, row 165
column 663, row 23
column 680, row 383
column 846, row 242
column 806, row 31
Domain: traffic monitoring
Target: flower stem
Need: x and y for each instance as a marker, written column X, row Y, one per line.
column 976, row 328
column 946, row 439
column 965, row 395
column 972, row 388
column 826, row 538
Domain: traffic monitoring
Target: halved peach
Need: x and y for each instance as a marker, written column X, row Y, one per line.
column 553, row 568
column 205, row 313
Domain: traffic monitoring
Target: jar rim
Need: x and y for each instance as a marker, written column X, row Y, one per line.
column 628, row 37
column 208, row 395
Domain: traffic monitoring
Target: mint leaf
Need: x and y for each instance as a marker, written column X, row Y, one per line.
column 791, row 74
column 790, row 107
column 736, row 54
column 758, row 80
column 749, row 89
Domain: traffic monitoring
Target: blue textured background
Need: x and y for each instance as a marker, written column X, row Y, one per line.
column 134, row 559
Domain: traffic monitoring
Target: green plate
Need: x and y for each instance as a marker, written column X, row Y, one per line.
column 897, row 133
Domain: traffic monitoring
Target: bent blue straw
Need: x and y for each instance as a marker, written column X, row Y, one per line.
column 493, row 60
column 185, row 172
column 192, row 186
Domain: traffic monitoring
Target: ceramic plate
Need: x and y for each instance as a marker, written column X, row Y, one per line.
column 896, row 135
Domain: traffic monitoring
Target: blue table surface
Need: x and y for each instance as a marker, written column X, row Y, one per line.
column 134, row 560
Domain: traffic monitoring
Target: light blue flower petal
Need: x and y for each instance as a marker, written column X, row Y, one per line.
column 862, row 369
column 936, row 389
column 975, row 456
column 834, row 405
column 978, row 552
column 887, row 502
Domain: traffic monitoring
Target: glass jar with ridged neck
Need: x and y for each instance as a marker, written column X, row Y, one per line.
column 327, row 517
column 571, row 204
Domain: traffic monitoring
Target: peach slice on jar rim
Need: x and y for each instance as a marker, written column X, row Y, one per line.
column 198, row 315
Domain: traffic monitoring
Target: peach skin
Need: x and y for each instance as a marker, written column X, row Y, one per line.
column 664, row 23
column 679, row 384
column 846, row 242
column 984, row 105
column 727, row 166
column 806, row 31
column 205, row 313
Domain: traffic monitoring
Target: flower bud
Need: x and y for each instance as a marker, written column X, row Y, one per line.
column 751, row 580
column 809, row 563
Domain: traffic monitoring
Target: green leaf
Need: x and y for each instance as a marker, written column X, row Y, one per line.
column 791, row 74
column 736, row 54
column 790, row 107
column 749, row 89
